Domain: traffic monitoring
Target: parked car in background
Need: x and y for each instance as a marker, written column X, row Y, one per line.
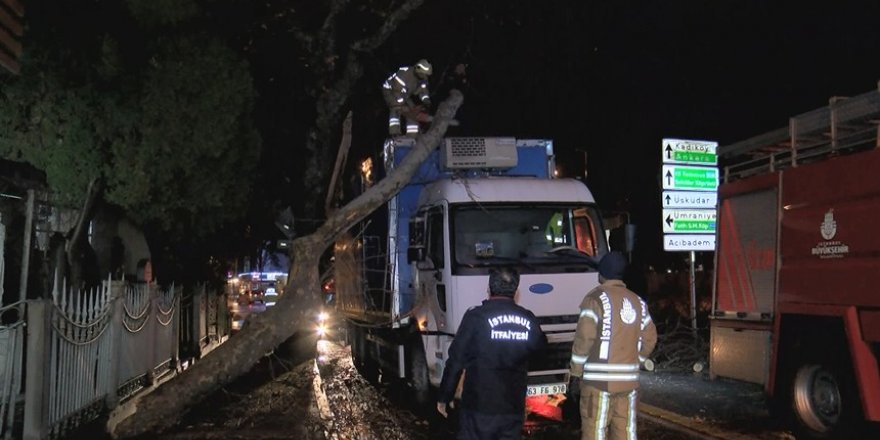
column 253, row 292
column 259, row 287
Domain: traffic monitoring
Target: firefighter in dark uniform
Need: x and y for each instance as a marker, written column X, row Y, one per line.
column 399, row 89
column 614, row 335
column 493, row 345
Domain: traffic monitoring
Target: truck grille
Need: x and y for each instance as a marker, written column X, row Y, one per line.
column 555, row 356
column 560, row 319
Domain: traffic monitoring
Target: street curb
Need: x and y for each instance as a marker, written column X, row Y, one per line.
column 688, row 425
column 321, row 401
column 322, row 404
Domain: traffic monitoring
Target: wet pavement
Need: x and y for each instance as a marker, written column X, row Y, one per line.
column 297, row 393
column 308, row 389
column 719, row 408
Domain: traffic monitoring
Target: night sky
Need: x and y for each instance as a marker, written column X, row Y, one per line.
column 615, row 79
column 607, row 78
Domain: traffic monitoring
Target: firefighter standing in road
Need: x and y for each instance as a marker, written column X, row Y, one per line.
column 614, row 335
column 493, row 345
column 398, row 90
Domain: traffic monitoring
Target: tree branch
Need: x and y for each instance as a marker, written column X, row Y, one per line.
column 327, row 34
column 360, row 207
column 341, row 156
column 85, row 216
column 399, row 14
column 328, row 108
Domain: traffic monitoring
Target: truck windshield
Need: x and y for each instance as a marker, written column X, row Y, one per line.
column 537, row 238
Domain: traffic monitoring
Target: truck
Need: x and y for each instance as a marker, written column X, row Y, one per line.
column 797, row 268
column 405, row 276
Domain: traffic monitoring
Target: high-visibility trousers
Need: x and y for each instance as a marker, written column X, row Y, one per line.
column 607, row 415
column 397, row 109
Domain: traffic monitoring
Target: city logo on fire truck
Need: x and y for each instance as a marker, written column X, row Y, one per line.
column 829, row 248
column 829, row 226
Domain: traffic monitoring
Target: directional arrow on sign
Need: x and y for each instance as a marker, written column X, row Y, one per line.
column 689, row 221
column 685, row 151
column 690, row 178
column 690, row 199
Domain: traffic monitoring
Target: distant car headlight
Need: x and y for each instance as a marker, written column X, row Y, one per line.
column 322, row 317
column 321, row 330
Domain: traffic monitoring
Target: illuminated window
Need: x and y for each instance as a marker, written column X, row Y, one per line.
column 584, row 233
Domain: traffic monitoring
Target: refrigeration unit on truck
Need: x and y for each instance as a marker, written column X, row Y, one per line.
column 797, row 294
column 405, row 277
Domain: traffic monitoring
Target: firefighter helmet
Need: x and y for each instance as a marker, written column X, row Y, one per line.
column 424, row 69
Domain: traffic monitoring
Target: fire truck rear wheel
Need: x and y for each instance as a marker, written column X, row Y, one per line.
column 823, row 402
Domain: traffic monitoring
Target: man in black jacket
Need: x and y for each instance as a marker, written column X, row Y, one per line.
column 493, row 344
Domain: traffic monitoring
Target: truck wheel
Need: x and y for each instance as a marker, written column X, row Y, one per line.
column 353, row 342
column 824, row 403
column 369, row 367
column 417, row 372
column 360, row 356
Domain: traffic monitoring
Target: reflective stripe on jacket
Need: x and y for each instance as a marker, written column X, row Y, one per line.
column 614, row 334
column 401, row 85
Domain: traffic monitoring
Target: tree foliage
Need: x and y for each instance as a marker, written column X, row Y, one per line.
column 135, row 96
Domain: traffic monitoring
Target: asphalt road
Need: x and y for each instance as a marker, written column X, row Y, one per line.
column 326, row 398
column 292, row 394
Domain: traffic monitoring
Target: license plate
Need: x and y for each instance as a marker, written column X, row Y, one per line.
column 550, row 388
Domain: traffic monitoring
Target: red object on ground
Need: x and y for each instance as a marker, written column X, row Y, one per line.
column 547, row 406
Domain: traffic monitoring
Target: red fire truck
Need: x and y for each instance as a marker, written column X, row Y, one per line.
column 796, row 304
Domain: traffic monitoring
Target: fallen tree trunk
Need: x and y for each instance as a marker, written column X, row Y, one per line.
column 162, row 409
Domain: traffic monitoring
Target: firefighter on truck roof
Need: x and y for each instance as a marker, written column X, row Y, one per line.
column 398, row 90
column 614, row 335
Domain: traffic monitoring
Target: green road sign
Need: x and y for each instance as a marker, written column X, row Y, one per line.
column 689, row 220
column 692, row 178
column 689, row 152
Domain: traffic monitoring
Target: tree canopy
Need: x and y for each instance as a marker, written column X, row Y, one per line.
column 159, row 108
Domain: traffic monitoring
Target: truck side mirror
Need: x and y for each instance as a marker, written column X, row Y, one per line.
column 416, row 249
column 415, row 253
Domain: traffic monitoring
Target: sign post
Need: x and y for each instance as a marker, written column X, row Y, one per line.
column 690, row 201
